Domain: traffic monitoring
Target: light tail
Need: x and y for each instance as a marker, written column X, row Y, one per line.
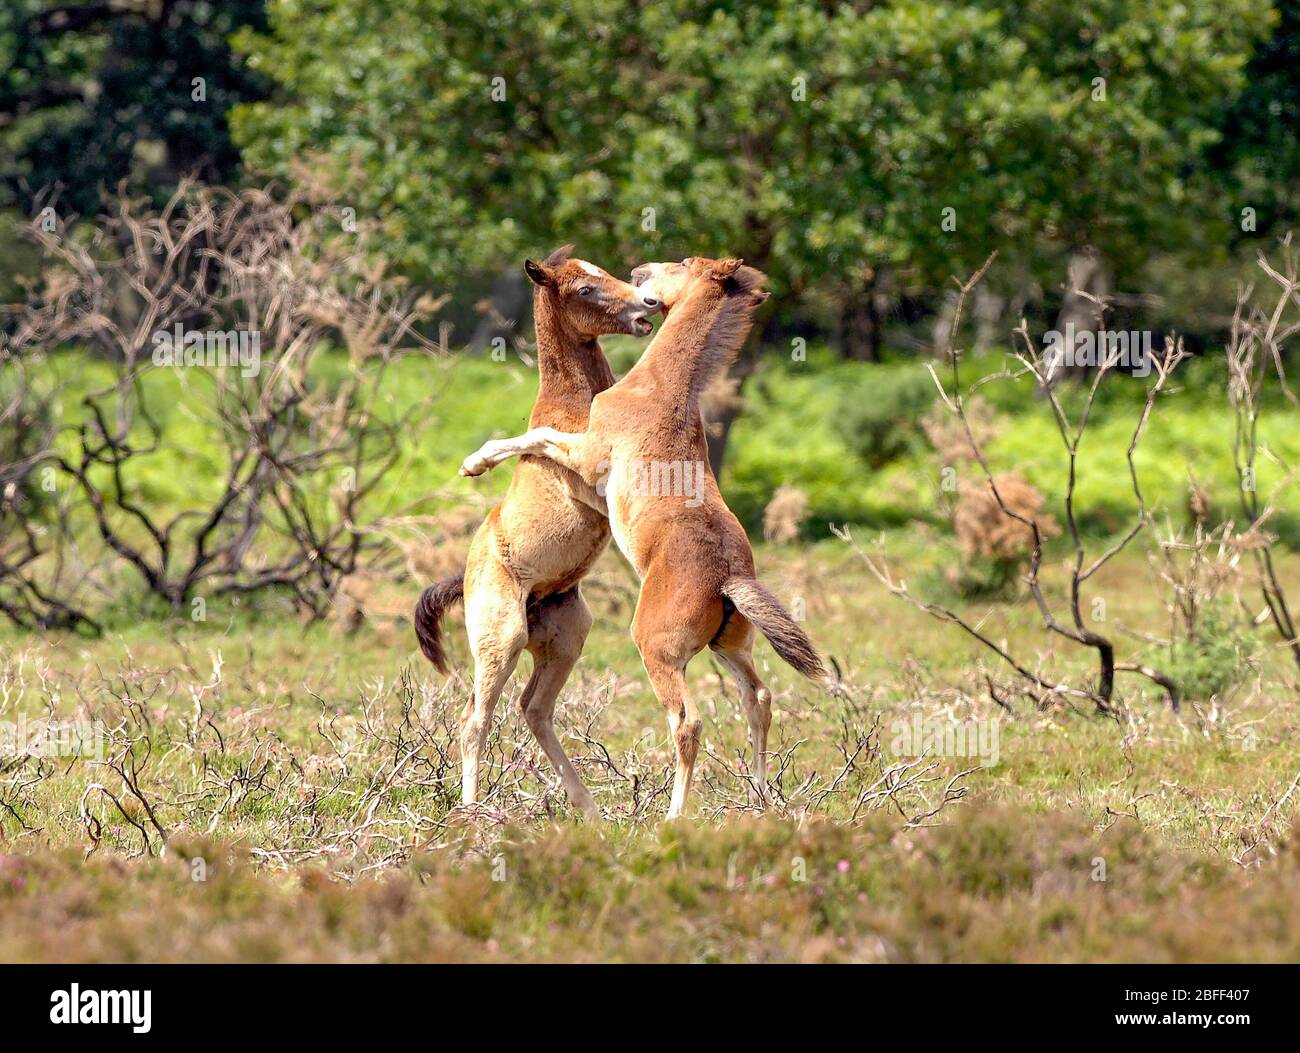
column 756, row 602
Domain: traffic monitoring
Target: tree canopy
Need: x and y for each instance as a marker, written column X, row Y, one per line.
column 822, row 141
column 94, row 94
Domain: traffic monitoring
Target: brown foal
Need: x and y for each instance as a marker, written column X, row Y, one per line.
column 643, row 452
column 520, row 583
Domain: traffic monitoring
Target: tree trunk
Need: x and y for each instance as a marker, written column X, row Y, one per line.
column 987, row 311
column 717, row 432
column 720, row 413
column 942, row 332
column 719, row 416
column 860, row 324
column 508, row 301
column 1086, row 273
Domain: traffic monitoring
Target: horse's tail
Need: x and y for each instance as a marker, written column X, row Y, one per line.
column 432, row 605
column 756, row 602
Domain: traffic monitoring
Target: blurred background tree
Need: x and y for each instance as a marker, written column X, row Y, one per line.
column 92, row 94
column 862, row 153
column 823, row 142
column 1261, row 129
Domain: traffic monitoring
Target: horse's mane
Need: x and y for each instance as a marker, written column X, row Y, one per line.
column 742, row 292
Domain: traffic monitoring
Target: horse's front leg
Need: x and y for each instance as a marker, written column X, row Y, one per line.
column 563, row 447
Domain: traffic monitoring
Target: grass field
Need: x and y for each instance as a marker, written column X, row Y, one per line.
column 255, row 788
column 271, row 792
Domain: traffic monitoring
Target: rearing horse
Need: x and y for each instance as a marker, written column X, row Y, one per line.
column 520, row 584
column 698, row 584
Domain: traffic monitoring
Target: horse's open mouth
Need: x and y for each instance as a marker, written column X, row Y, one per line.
column 642, row 326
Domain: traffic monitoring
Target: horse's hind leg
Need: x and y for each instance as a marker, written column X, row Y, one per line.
column 676, row 616
column 734, row 646
column 497, row 628
column 557, row 628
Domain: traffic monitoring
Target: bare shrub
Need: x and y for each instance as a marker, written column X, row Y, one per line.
column 1255, row 357
column 1073, row 626
column 784, row 515
column 352, row 602
column 445, row 551
column 948, row 436
column 301, row 442
column 372, row 777
column 995, row 548
column 40, row 572
column 1200, row 506
column 721, row 400
column 985, row 531
column 1210, row 644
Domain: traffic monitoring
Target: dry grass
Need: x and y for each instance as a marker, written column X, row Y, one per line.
column 996, row 887
column 785, row 515
column 314, row 776
column 984, row 531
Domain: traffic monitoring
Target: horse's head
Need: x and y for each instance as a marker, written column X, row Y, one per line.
column 667, row 282
column 593, row 302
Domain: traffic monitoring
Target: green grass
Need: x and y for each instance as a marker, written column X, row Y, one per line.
column 792, row 432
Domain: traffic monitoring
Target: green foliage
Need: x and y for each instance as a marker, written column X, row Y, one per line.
column 1217, row 657
column 1261, row 131
column 879, row 417
column 104, row 93
column 27, row 420
column 790, row 433
column 981, row 578
column 819, row 140
column 470, row 400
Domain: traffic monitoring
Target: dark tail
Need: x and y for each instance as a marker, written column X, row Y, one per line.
column 756, row 603
column 432, row 605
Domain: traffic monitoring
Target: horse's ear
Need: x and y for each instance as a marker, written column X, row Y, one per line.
column 539, row 274
column 746, row 280
column 726, row 268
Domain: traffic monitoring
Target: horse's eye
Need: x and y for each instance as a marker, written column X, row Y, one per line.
column 586, row 290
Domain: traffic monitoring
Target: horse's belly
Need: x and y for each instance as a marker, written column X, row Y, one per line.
column 552, row 539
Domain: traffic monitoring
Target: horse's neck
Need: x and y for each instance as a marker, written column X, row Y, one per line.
column 572, row 369
column 676, row 362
